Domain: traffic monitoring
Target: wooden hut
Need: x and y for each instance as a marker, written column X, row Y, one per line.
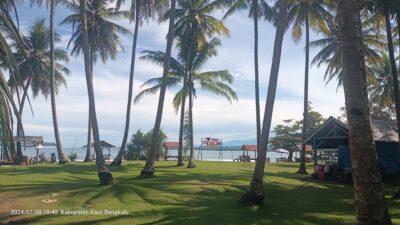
column 167, row 146
column 331, row 145
column 103, row 145
column 246, row 149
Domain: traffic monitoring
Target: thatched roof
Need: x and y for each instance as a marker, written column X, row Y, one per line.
column 385, row 131
column 103, row 144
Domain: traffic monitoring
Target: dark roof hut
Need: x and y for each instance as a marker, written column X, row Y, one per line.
column 331, row 144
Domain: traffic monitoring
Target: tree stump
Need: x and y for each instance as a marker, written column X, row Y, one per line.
column 105, row 178
column 146, row 172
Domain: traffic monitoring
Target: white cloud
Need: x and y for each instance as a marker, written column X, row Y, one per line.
column 213, row 116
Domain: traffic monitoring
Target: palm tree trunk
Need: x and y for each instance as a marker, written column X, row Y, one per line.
column 398, row 29
column 255, row 195
column 190, row 85
column 192, row 160
column 182, row 120
column 302, row 169
column 370, row 205
column 397, row 194
column 118, row 160
column 19, row 124
column 89, row 156
column 255, row 19
column 149, row 166
column 15, row 111
column 105, row 176
column 61, row 156
column 393, row 67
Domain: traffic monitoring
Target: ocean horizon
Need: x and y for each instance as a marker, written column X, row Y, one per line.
column 207, row 154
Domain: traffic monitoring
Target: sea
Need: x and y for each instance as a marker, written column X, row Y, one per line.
column 204, row 155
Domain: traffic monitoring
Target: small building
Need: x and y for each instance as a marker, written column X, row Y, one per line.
column 28, row 141
column 103, row 145
column 249, row 148
column 168, row 145
column 330, row 144
column 309, row 153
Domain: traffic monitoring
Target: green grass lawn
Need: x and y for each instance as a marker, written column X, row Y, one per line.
column 206, row 195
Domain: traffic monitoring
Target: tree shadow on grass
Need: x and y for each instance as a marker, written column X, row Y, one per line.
column 71, row 168
column 222, row 207
column 194, row 197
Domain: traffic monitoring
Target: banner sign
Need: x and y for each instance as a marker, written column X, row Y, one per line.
column 211, row 141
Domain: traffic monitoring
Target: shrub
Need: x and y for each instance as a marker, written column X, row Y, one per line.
column 73, row 156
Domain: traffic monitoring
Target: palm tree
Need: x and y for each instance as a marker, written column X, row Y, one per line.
column 143, row 10
column 382, row 93
column 329, row 52
column 195, row 26
column 257, row 9
column 9, row 30
column 52, row 88
column 36, row 69
column 314, row 13
column 377, row 9
column 104, row 35
column 370, row 204
column 256, row 194
column 104, row 175
column 6, row 120
column 216, row 82
column 8, row 62
column 53, row 4
column 149, row 166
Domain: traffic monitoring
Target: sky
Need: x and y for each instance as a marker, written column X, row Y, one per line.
column 213, row 115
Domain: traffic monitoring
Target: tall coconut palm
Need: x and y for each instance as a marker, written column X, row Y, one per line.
column 104, row 174
column 379, row 9
column 215, row 82
column 387, row 13
column 104, row 35
column 5, row 121
column 396, row 7
column 255, row 195
column 382, row 93
column 329, row 52
column 143, row 10
column 149, row 166
column 195, row 25
column 53, row 4
column 370, row 205
column 36, row 68
column 61, row 156
column 9, row 31
column 257, row 9
column 314, row 13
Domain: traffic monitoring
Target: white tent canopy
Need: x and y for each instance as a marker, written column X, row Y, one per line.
column 281, row 151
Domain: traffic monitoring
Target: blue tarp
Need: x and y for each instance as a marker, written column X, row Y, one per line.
column 388, row 156
column 344, row 157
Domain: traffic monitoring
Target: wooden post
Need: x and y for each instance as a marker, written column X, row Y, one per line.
column 37, row 154
column 315, row 153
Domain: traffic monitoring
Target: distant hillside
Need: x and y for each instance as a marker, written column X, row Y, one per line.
column 240, row 142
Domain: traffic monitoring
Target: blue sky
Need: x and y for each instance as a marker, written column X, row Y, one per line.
column 213, row 116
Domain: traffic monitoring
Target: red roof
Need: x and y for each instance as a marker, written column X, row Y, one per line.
column 249, row 147
column 171, row 144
